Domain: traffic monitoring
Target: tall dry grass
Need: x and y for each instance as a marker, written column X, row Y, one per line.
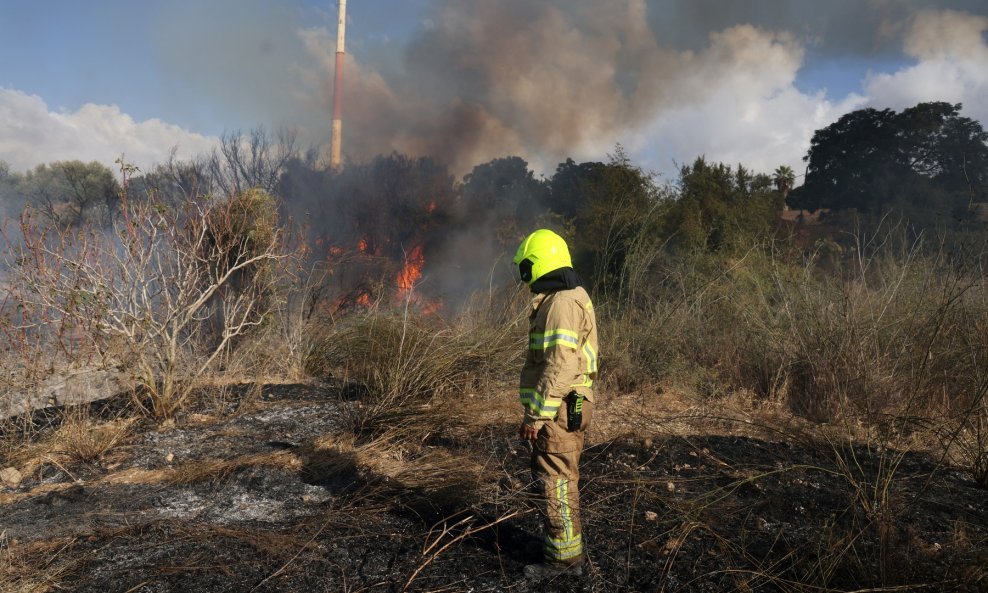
column 883, row 346
column 888, row 334
column 404, row 363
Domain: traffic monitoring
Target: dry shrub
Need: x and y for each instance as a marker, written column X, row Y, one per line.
column 164, row 294
column 280, row 347
column 895, row 335
column 401, row 360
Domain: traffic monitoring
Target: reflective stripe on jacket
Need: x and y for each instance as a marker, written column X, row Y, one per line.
column 562, row 353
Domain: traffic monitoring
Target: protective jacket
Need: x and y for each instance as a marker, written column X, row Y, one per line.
column 562, row 358
column 562, row 353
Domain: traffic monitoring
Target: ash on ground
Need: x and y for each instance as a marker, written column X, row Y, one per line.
column 236, row 503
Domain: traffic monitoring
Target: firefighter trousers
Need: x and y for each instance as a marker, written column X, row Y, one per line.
column 556, row 473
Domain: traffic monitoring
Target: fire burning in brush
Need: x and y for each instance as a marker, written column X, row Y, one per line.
column 365, row 265
column 411, row 271
column 383, row 224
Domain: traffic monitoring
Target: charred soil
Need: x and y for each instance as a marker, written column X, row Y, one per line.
column 249, row 501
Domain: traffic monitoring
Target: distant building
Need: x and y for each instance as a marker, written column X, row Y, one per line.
column 806, row 217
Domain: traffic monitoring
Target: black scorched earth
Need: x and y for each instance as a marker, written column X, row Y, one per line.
column 264, row 498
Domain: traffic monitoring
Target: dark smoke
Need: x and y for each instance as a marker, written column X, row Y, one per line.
column 543, row 79
column 840, row 28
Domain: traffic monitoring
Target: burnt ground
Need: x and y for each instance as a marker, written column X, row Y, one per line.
column 242, row 502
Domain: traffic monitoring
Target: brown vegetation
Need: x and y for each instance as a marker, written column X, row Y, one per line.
column 769, row 418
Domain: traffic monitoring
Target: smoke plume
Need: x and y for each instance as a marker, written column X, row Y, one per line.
column 550, row 79
column 542, row 79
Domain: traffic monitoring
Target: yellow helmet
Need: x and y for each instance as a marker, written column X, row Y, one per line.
column 540, row 253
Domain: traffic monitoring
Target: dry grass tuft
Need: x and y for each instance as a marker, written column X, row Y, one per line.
column 968, row 445
column 34, row 567
column 197, row 470
column 217, row 470
column 78, row 439
column 405, row 361
column 392, row 463
column 83, row 440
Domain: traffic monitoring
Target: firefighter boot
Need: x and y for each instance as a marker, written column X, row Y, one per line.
column 551, row 570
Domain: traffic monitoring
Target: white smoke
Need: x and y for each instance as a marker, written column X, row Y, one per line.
column 951, row 64
column 740, row 105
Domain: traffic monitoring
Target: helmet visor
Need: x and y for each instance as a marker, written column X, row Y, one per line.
column 525, row 270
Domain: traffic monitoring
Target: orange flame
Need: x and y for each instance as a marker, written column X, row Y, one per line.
column 411, row 271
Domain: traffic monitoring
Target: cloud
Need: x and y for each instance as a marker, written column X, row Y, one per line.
column 951, row 64
column 739, row 104
column 31, row 134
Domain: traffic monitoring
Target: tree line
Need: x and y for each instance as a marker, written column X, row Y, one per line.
column 927, row 163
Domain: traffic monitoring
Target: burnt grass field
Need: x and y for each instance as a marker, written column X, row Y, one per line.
column 254, row 497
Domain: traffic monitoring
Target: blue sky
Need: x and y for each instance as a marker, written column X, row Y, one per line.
column 73, row 52
column 86, row 79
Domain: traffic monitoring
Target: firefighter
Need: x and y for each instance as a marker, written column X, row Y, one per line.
column 555, row 390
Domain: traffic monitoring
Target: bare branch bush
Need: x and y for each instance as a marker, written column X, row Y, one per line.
column 279, row 349
column 163, row 295
column 252, row 160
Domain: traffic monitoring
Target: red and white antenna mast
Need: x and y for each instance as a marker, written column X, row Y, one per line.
column 334, row 153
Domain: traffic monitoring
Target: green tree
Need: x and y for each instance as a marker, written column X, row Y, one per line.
column 718, row 207
column 503, row 193
column 614, row 207
column 92, row 186
column 926, row 158
column 72, row 192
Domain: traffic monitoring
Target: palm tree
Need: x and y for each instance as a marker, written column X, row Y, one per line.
column 784, row 178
